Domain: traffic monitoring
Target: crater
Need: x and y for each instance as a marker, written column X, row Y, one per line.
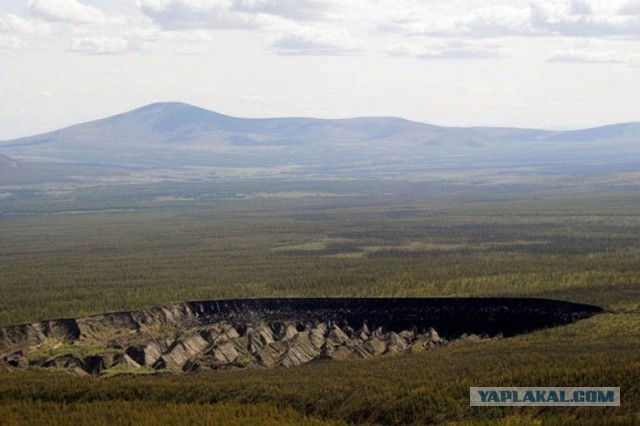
column 268, row 333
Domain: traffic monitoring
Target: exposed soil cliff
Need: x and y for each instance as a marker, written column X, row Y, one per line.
column 268, row 333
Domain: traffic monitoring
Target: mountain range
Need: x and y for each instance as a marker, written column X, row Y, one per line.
column 178, row 136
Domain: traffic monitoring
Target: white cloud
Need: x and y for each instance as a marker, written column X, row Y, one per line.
column 73, row 26
column 296, row 27
column 448, row 49
column 316, row 27
column 303, row 10
column 331, row 27
column 68, row 11
column 11, row 43
column 597, row 52
column 315, row 41
column 455, row 20
column 588, row 57
column 581, row 7
column 493, row 18
column 565, row 18
column 631, row 7
column 99, row 45
column 14, row 24
column 177, row 14
column 190, row 14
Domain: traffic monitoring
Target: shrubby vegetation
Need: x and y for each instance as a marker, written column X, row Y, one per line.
column 580, row 248
column 77, row 264
column 152, row 413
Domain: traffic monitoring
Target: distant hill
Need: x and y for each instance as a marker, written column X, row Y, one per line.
column 177, row 135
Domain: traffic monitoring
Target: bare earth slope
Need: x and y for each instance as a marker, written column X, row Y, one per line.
column 268, row 333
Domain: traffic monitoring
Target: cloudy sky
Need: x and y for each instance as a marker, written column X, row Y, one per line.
column 530, row 63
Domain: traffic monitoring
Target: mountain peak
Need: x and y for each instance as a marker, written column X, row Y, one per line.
column 174, row 108
column 170, row 116
column 170, row 106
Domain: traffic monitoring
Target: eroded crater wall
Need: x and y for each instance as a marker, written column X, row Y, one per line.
column 268, row 333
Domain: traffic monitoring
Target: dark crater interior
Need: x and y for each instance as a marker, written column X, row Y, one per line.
column 451, row 317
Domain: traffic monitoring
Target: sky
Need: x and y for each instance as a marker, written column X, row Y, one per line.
column 554, row 64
